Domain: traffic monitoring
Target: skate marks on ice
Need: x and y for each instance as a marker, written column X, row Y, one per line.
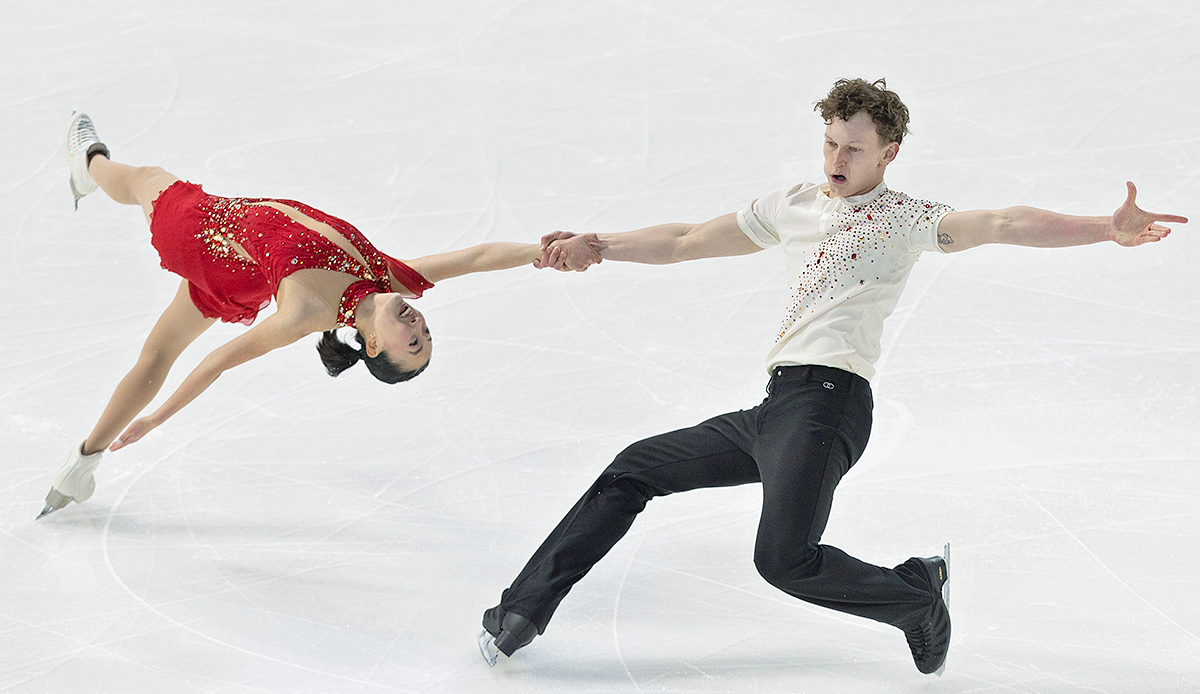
column 1041, row 405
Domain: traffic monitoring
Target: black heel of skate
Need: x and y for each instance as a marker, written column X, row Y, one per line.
column 504, row 632
column 515, row 632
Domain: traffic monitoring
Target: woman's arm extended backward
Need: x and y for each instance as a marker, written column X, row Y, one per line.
column 276, row 330
column 180, row 324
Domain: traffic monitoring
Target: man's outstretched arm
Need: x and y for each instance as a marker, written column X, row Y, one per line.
column 1029, row 226
column 656, row 245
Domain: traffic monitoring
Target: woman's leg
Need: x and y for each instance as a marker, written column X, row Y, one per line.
column 130, row 185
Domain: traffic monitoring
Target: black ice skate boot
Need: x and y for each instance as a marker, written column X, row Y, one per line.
column 929, row 638
column 504, row 632
column 80, row 145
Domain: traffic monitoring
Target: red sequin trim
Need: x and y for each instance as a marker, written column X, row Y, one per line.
column 355, row 293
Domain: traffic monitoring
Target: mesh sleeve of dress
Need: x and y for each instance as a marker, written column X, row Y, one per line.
column 410, row 278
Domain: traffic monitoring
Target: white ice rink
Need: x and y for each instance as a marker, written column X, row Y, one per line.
column 292, row 533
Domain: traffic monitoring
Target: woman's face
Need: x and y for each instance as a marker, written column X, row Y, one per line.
column 401, row 332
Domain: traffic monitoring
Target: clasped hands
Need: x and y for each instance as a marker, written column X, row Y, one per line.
column 565, row 251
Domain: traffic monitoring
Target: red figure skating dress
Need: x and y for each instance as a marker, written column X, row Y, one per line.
column 193, row 233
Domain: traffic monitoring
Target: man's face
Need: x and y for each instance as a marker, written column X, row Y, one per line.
column 854, row 157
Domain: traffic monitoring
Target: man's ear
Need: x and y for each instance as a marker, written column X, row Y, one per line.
column 890, row 152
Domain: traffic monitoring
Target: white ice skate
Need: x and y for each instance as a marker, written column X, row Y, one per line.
column 79, row 144
column 75, row 481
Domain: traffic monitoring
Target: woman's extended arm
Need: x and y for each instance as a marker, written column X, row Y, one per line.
column 275, row 331
column 485, row 257
column 180, row 324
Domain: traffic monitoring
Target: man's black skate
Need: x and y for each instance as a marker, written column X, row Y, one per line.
column 504, row 632
column 929, row 639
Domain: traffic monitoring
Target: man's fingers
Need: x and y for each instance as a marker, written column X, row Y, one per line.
column 555, row 236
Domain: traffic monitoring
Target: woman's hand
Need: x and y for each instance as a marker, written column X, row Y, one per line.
column 565, row 251
column 133, row 433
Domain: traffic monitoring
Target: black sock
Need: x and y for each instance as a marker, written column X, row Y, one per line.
column 94, row 149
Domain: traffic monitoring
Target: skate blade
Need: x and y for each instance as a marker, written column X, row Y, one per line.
column 487, row 647
column 76, row 194
column 54, row 501
column 946, row 599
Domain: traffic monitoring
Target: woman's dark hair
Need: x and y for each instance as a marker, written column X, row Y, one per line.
column 337, row 356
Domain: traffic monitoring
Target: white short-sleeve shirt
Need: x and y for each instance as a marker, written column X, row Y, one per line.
column 848, row 259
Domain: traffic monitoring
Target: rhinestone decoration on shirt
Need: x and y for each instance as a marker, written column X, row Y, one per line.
column 859, row 235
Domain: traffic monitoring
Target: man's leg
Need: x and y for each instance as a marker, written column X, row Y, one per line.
column 814, row 427
column 711, row 454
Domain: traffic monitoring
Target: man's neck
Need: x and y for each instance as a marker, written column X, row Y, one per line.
column 868, row 191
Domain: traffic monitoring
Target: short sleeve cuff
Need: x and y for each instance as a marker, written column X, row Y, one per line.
column 923, row 235
column 937, row 222
column 754, row 229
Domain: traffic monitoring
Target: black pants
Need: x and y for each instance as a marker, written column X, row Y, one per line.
column 798, row 443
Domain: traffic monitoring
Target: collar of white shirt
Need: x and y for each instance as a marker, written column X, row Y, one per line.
column 856, row 200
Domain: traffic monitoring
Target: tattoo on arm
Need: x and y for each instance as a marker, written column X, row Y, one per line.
column 945, row 240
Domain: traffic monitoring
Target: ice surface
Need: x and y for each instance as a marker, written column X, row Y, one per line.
column 292, row 533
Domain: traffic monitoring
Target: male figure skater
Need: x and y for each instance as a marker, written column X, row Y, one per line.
column 849, row 246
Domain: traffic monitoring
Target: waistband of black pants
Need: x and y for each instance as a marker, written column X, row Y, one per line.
column 812, row 372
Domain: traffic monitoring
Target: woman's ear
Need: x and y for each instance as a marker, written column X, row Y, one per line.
column 372, row 347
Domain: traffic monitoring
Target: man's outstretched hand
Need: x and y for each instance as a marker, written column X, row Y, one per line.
column 565, row 251
column 1133, row 226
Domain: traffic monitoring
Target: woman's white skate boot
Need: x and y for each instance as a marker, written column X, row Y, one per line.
column 75, row 481
column 80, row 145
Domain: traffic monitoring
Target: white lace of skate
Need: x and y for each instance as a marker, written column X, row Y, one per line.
column 83, row 135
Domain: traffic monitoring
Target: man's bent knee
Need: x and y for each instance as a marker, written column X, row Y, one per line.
column 629, row 492
column 782, row 567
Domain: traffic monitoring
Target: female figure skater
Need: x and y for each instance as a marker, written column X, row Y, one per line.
column 234, row 254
